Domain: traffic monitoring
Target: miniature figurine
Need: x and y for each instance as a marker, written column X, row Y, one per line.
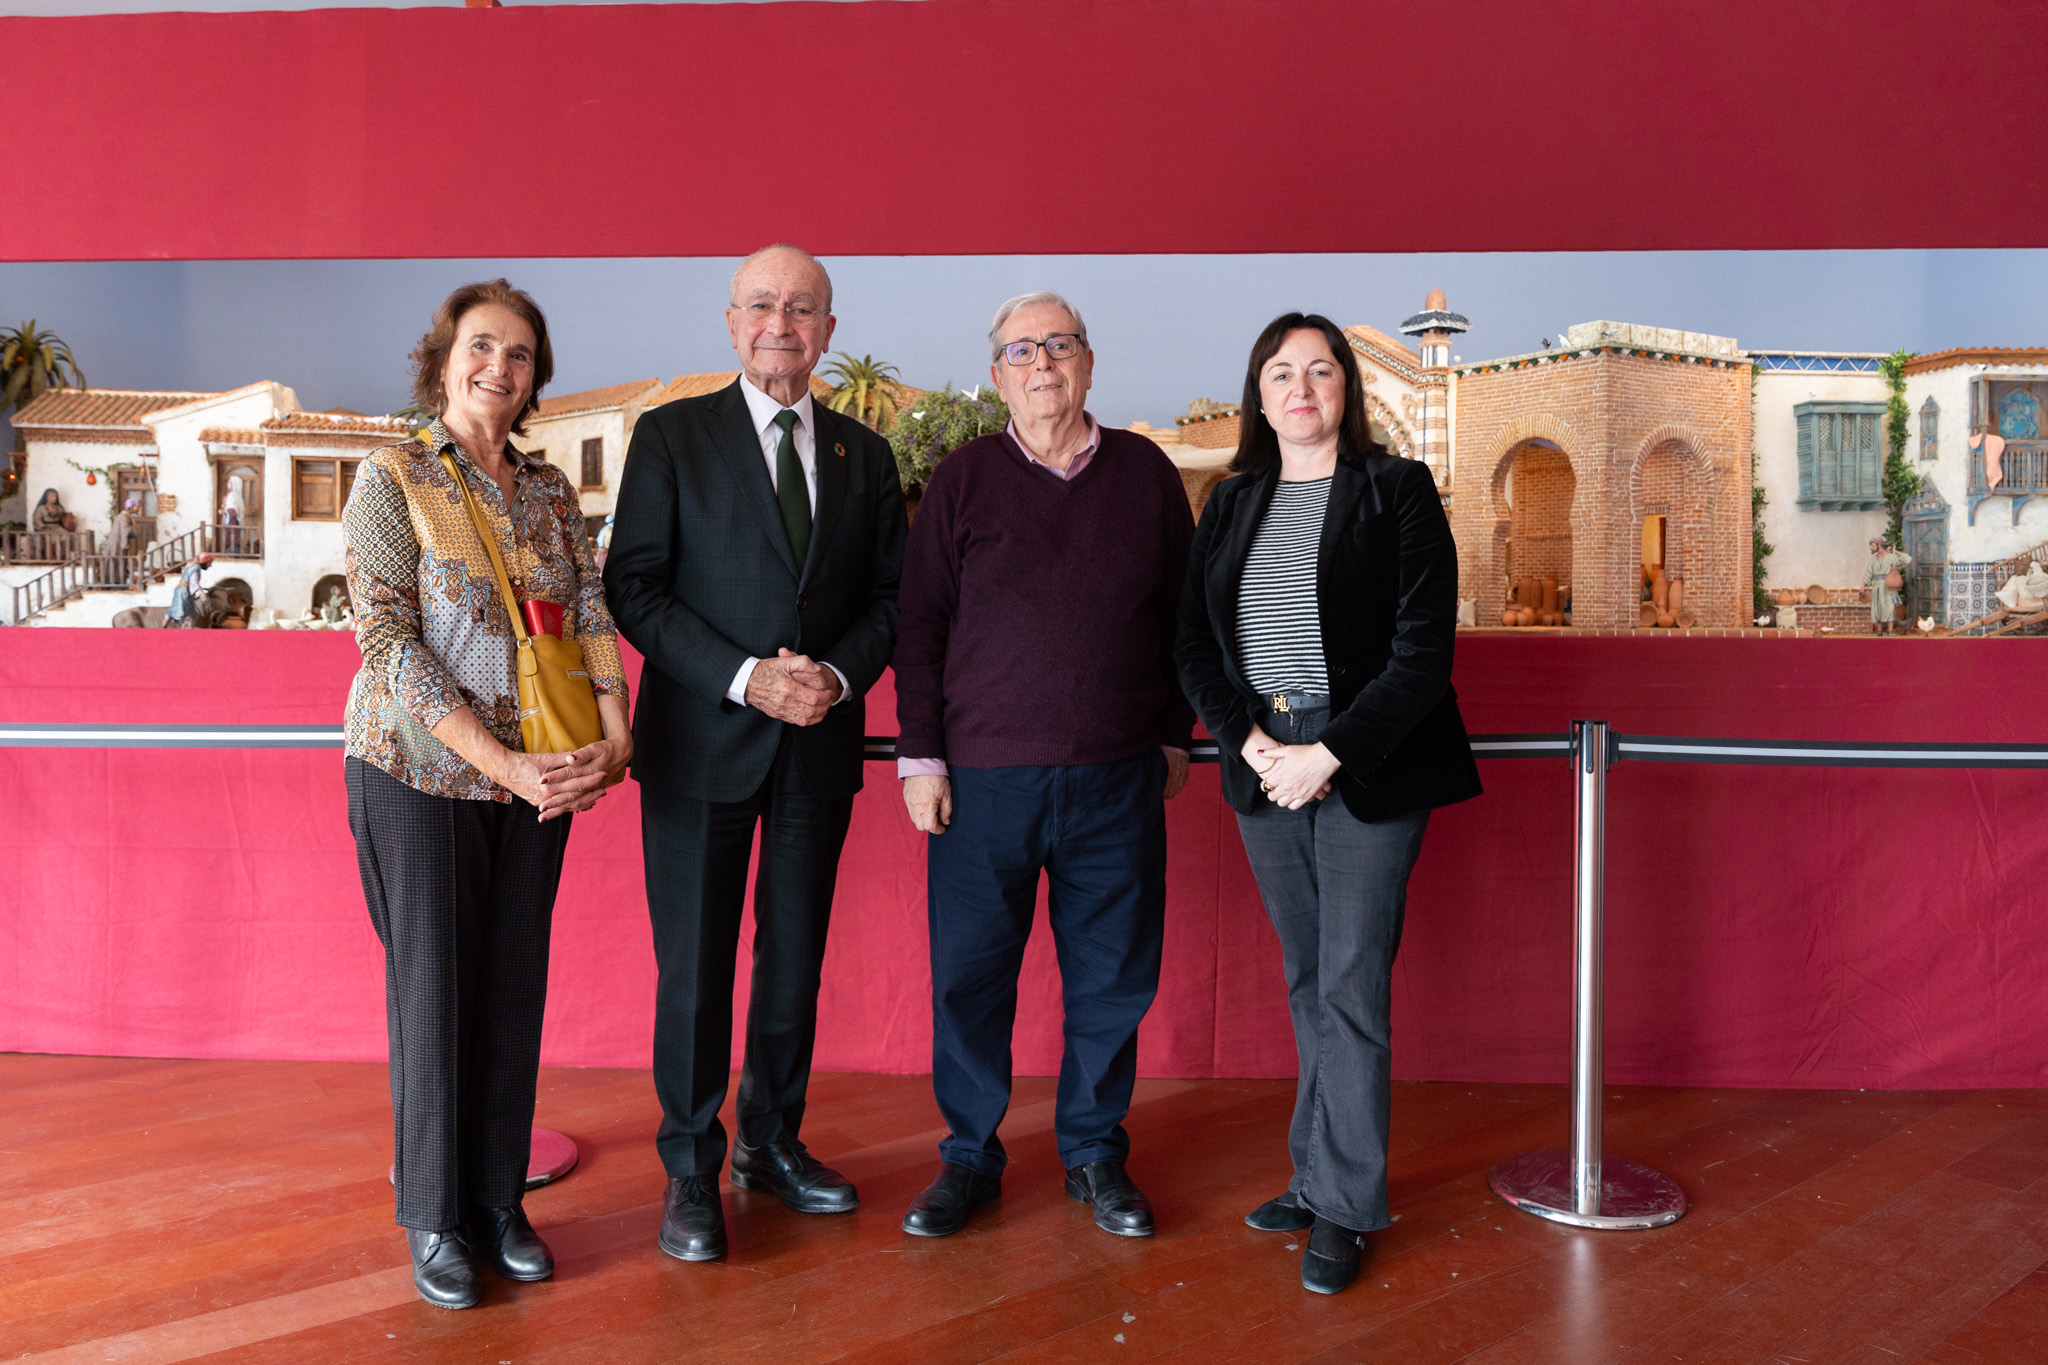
column 184, row 614
column 1886, row 576
column 335, row 608
column 50, row 514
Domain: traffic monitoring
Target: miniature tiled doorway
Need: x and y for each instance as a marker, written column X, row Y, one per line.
column 1926, row 534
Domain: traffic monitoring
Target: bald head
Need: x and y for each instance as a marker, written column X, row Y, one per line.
column 781, row 263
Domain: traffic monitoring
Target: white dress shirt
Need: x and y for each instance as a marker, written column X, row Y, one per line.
column 761, row 411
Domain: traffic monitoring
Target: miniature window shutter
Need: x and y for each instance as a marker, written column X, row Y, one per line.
column 1930, row 429
column 1841, row 456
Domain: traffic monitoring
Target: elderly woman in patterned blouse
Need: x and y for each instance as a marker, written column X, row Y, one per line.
column 459, row 832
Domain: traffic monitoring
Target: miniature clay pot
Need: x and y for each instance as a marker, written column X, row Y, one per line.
column 1528, row 616
column 1816, row 596
column 1510, row 617
column 1665, row 620
column 1660, row 591
column 1646, row 615
column 1686, row 620
column 1676, row 593
column 1549, row 596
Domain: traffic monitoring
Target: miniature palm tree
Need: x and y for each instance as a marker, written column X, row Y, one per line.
column 860, row 389
column 32, row 360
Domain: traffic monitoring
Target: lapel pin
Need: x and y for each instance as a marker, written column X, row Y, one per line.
column 839, row 450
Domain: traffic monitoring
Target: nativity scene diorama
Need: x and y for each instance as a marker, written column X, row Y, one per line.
column 1618, row 479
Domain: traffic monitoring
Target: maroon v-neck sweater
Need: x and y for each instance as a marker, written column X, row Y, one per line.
column 1038, row 612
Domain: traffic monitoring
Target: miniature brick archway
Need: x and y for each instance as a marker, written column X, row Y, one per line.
column 1672, row 476
column 1398, row 438
column 1558, row 442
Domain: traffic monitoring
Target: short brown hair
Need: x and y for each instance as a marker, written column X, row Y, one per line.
column 430, row 357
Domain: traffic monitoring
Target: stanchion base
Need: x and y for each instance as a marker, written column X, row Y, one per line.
column 1631, row 1195
column 553, row 1156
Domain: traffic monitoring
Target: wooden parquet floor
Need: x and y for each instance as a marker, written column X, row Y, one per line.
column 237, row 1211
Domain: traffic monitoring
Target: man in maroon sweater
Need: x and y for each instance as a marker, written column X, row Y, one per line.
column 1041, row 730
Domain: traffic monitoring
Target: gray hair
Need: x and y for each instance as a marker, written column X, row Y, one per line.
column 1004, row 313
column 732, row 290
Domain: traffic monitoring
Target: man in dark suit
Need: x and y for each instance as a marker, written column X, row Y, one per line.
column 754, row 562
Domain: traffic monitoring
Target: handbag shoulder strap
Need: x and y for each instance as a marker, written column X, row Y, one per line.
column 483, row 532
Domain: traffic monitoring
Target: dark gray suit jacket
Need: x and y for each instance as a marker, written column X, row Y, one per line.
column 700, row 576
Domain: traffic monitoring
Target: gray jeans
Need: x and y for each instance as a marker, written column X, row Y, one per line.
column 1335, row 888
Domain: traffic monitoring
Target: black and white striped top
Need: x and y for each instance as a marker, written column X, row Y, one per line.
column 1279, row 626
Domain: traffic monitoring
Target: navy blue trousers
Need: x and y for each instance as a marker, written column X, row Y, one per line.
column 1097, row 832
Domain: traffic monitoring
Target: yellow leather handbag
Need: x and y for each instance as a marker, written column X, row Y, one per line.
column 557, row 704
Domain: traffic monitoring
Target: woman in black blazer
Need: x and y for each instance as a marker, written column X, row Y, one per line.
column 1315, row 641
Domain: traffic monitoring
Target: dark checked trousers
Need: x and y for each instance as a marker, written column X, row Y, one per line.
column 462, row 895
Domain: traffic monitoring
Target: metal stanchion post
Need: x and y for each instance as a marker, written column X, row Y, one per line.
column 1584, row 1187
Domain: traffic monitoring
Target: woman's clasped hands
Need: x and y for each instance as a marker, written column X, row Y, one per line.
column 566, row 783
column 1291, row 775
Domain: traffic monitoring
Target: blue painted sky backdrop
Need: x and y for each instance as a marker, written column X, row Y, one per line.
column 1166, row 328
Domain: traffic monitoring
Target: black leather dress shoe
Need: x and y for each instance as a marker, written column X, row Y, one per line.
column 1330, row 1261
column 945, row 1204
column 793, row 1175
column 1284, row 1214
column 508, row 1244
column 443, row 1270
column 692, row 1220
column 1119, row 1205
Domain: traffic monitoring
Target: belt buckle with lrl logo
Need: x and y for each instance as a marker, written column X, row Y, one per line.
column 1280, row 702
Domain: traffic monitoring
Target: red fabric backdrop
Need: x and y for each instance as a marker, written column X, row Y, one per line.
column 1450, row 125
column 1766, row 926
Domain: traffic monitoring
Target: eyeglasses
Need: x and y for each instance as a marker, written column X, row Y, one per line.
column 801, row 314
column 1060, row 346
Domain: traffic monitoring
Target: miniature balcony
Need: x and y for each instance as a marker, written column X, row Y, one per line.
column 44, row 547
column 2024, row 468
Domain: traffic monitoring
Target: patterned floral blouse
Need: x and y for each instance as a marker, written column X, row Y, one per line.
column 434, row 634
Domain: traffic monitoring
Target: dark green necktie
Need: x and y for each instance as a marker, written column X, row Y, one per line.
column 790, row 490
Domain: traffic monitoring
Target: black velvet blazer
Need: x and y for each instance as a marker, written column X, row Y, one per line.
column 700, row 576
column 1387, row 587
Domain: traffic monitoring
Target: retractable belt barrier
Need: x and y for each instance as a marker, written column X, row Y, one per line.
column 1582, row 1186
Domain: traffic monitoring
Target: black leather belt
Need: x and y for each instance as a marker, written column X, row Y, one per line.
column 1282, row 702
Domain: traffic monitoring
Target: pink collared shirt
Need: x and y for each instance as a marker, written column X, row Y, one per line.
column 1081, row 456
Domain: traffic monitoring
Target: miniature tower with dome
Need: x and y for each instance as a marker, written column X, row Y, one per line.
column 1434, row 326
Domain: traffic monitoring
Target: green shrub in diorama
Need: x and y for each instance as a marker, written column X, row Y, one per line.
column 943, row 421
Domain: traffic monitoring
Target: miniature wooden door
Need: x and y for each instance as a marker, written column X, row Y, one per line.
column 137, row 484
column 1926, row 527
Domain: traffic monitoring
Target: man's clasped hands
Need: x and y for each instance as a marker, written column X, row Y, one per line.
column 792, row 687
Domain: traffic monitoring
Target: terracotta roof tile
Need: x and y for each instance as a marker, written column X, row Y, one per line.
column 231, row 436
column 1378, row 340
column 593, row 400
column 1940, row 360
column 697, row 385
column 692, row 386
column 329, row 430
column 98, row 408
column 353, row 424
